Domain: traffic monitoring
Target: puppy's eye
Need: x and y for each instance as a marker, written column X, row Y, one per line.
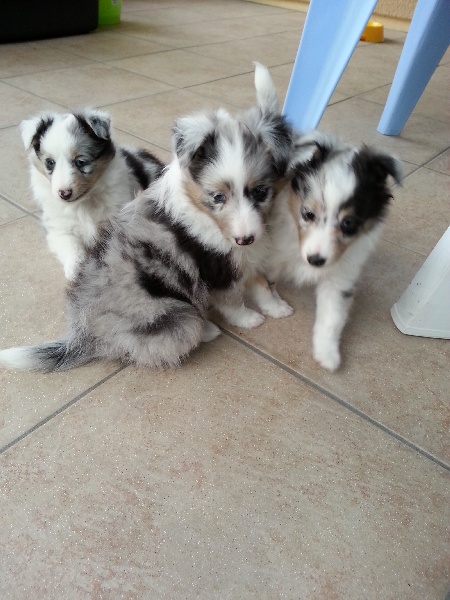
column 219, row 198
column 348, row 225
column 260, row 193
column 308, row 215
column 49, row 164
column 80, row 163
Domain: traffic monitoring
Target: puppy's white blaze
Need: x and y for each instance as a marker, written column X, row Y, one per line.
column 266, row 95
column 319, row 241
column 338, row 186
column 22, row 359
column 62, row 176
column 245, row 221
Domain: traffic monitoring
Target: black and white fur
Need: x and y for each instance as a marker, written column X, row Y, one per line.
column 142, row 294
column 325, row 224
column 79, row 178
column 233, row 170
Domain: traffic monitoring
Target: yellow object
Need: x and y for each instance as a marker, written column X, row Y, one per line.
column 374, row 32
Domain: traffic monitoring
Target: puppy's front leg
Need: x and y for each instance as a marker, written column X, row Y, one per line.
column 333, row 305
column 68, row 250
column 267, row 299
column 231, row 305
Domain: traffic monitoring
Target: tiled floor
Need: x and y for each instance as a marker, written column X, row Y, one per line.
column 249, row 473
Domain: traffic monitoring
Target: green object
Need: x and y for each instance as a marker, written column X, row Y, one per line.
column 109, row 12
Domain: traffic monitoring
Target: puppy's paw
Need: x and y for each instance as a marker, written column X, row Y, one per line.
column 329, row 358
column 250, row 319
column 70, row 269
column 210, row 332
column 278, row 309
column 242, row 316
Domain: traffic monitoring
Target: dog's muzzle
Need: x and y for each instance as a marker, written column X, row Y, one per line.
column 316, row 260
column 65, row 194
column 245, row 241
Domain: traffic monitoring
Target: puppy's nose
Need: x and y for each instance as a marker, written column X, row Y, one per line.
column 245, row 241
column 65, row 194
column 316, row 260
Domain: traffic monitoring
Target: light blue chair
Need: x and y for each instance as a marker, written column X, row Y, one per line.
column 427, row 40
column 332, row 30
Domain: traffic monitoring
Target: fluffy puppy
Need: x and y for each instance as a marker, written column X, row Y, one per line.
column 141, row 295
column 79, row 178
column 232, row 171
column 324, row 226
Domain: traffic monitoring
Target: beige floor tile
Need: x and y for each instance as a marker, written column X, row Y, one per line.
column 445, row 60
column 140, row 5
column 441, row 163
column 356, row 120
column 420, row 211
column 270, row 50
column 95, row 85
column 153, row 117
column 105, row 45
column 162, row 16
column 433, row 102
column 369, row 67
column 9, row 212
column 250, row 26
column 398, row 380
column 32, row 57
column 283, row 72
column 32, row 311
column 233, row 8
column 239, row 90
column 172, row 36
column 125, row 139
column 179, row 68
column 14, row 179
column 18, row 104
column 160, row 485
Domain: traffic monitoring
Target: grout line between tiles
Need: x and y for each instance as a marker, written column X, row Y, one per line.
column 434, row 158
column 18, row 206
column 317, row 387
column 60, row 410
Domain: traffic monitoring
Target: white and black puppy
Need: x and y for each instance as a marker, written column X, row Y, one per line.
column 79, row 178
column 231, row 171
column 141, row 295
column 325, row 224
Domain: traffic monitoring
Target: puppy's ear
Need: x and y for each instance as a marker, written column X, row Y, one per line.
column 33, row 128
column 378, row 164
column 99, row 121
column 312, row 149
column 389, row 165
column 266, row 95
column 193, row 136
column 305, row 154
column 310, row 152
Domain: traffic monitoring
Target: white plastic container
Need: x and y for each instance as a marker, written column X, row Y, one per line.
column 424, row 307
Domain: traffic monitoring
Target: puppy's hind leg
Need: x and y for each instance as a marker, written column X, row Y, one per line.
column 333, row 305
column 163, row 342
column 210, row 332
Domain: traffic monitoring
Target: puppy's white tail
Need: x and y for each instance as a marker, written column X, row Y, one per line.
column 52, row 356
column 266, row 94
